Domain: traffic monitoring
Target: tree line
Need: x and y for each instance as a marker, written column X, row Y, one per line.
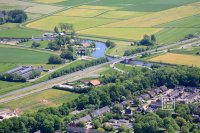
column 117, row 88
column 79, row 67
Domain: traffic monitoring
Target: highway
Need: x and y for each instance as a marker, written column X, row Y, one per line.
column 82, row 74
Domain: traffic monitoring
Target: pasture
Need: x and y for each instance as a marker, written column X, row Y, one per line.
column 22, row 56
column 120, row 33
column 179, row 59
column 47, row 98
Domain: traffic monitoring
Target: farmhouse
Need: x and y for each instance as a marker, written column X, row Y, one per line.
column 24, row 71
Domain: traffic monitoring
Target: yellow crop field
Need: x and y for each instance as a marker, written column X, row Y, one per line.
column 80, row 12
column 157, row 18
column 48, row 1
column 79, row 23
column 98, row 7
column 179, row 59
column 122, row 14
column 120, row 33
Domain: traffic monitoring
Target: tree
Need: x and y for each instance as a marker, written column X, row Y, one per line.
column 55, row 60
column 110, row 44
column 17, row 16
column 153, row 38
column 56, row 29
column 163, row 113
column 96, row 123
column 67, row 55
column 184, row 129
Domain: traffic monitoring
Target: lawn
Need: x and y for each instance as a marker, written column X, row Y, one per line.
column 120, row 33
column 22, row 56
column 79, row 23
column 43, row 44
column 79, row 12
column 47, row 98
column 179, row 59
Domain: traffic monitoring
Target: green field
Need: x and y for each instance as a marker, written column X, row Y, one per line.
column 47, row 98
column 189, row 51
column 22, row 56
column 43, row 44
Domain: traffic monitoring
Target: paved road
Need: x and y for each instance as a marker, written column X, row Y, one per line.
column 50, row 83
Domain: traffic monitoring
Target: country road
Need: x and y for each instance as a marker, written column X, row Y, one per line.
column 81, row 74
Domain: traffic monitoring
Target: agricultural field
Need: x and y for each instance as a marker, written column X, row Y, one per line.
column 79, row 23
column 22, row 56
column 179, row 59
column 76, row 12
column 47, row 98
column 120, row 33
column 48, row 1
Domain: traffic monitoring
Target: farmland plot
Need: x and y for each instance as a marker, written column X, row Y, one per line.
column 179, row 59
column 78, row 22
column 120, row 33
column 153, row 19
column 80, row 12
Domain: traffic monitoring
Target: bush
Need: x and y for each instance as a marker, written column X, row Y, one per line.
column 35, row 45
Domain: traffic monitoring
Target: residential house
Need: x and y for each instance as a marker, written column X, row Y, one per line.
column 94, row 82
column 86, row 118
column 100, row 112
column 175, row 93
column 192, row 97
column 152, row 94
column 145, row 97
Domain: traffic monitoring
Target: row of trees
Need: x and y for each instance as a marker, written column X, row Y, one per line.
column 78, row 67
column 12, row 77
column 135, row 51
column 13, row 16
column 118, row 87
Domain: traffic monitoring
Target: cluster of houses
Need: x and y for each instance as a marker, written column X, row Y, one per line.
column 179, row 94
column 116, row 124
column 83, row 84
column 24, row 71
column 150, row 101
